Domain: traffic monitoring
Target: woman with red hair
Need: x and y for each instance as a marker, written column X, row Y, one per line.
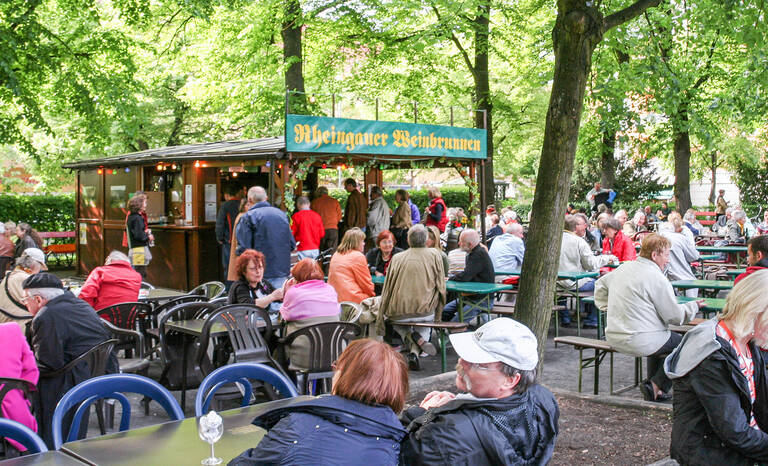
column 251, row 288
column 357, row 424
column 308, row 301
column 378, row 258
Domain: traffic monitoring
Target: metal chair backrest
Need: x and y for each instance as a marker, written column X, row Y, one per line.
column 246, row 327
column 147, row 286
column 210, row 290
column 132, row 337
column 110, row 386
column 183, row 311
column 324, row 259
column 9, row 383
column 350, row 311
column 326, row 342
column 125, row 315
column 22, row 434
column 96, row 358
column 218, row 302
column 241, row 373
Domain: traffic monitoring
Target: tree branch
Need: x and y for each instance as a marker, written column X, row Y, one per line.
column 322, row 8
column 456, row 41
column 631, row 12
column 703, row 78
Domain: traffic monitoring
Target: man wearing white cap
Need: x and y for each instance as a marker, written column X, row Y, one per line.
column 12, row 309
column 503, row 416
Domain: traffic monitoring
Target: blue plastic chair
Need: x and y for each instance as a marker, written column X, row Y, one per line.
column 110, row 386
column 22, row 434
column 241, row 372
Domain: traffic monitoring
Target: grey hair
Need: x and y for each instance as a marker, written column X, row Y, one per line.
column 116, row 256
column 302, row 201
column 45, row 293
column 570, row 222
column 417, row 236
column 527, row 378
column 514, row 228
column 612, row 223
column 376, row 190
column 257, row 194
column 321, row 191
column 738, row 215
column 25, row 262
column 471, row 236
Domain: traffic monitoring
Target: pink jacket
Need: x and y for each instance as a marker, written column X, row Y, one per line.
column 312, row 298
column 17, row 361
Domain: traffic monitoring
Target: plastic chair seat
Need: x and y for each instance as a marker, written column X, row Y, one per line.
column 133, row 365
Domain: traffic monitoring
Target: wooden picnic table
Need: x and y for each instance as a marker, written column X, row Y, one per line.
column 737, row 251
column 703, row 284
column 176, row 442
column 735, row 272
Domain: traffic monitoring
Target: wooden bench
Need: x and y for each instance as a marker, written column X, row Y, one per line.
column 601, row 348
column 708, row 221
column 443, row 329
column 62, row 252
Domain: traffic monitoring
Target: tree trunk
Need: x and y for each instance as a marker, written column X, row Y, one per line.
column 607, row 159
column 577, row 31
column 483, row 91
column 682, row 153
column 713, row 186
column 291, row 32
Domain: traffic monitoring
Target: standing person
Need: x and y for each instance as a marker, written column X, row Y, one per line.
column 378, row 213
column 251, row 287
column 720, row 205
column 616, row 243
column 12, row 308
column 415, row 214
column 330, row 211
column 225, row 221
column 7, row 250
column 232, row 274
column 138, row 235
column 433, row 241
column 592, row 196
column 113, row 283
column 401, row 219
column 436, row 213
column 27, row 238
column 413, row 292
column 307, row 229
column 757, row 256
column 63, row 328
column 641, row 311
column 17, row 362
column 380, row 257
column 265, row 228
column 479, row 268
column 357, row 207
column 721, row 388
column 348, row 271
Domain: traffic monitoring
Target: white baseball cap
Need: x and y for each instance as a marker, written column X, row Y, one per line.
column 36, row 255
column 500, row 340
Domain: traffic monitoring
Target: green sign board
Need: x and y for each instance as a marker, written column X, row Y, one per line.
column 347, row 136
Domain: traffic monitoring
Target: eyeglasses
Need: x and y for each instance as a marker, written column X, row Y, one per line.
column 25, row 299
column 477, row 366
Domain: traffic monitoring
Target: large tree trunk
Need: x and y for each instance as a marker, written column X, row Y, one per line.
column 577, row 31
column 608, row 160
column 682, row 152
column 713, row 185
column 291, row 32
column 483, row 90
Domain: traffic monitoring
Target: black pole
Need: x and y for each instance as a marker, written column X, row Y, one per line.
column 482, row 200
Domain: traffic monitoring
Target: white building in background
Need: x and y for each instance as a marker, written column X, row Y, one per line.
column 700, row 188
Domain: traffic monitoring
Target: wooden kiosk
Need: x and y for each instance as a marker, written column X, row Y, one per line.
column 184, row 186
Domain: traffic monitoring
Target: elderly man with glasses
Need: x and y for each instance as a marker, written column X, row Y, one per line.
column 503, row 416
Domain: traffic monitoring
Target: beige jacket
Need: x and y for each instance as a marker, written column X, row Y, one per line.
column 402, row 216
column 12, row 283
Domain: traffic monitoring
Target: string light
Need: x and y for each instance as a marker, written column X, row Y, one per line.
column 312, row 99
column 100, row 171
column 127, row 170
column 197, row 164
column 325, row 166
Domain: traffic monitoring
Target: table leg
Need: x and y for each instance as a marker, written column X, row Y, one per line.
column 442, row 349
column 184, row 375
column 461, row 308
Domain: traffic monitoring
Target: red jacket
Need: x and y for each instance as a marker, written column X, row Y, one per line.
column 443, row 215
column 750, row 270
column 623, row 247
column 111, row 284
column 308, row 230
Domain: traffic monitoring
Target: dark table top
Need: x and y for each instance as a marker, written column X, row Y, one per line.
column 159, row 294
column 49, row 458
column 176, row 442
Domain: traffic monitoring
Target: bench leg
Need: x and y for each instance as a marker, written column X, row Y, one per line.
column 597, row 370
column 581, row 366
column 441, row 334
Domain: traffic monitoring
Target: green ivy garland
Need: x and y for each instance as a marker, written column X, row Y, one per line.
column 300, row 172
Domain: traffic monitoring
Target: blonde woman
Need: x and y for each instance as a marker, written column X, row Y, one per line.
column 437, row 213
column 721, row 390
column 433, row 241
column 348, row 272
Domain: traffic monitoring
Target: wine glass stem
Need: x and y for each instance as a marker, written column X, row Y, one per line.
column 212, row 455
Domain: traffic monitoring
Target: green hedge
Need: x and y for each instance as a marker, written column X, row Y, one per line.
column 45, row 212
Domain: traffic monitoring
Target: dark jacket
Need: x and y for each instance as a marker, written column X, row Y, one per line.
column 65, row 328
column 520, row 429
column 712, row 404
column 225, row 220
column 137, row 234
column 328, row 430
column 241, row 292
column 24, row 243
column 494, row 231
column 376, row 262
column 479, row 267
column 265, row 229
column 760, row 265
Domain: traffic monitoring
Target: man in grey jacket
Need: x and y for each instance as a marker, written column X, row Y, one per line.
column 641, row 305
column 378, row 213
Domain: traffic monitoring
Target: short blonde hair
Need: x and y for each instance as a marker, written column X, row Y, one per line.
column 351, row 239
column 654, row 243
column 746, row 305
column 434, row 192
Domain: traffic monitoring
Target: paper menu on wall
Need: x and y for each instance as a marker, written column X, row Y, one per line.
column 188, row 194
column 210, row 192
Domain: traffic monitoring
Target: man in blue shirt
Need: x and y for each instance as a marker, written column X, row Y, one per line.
column 265, row 229
column 507, row 250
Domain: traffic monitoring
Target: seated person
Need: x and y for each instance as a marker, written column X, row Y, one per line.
column 504, row 416
column 723, row 222
column 355, row 425
column 414, row 292
column 457, row 261
column 12, row 308
column 495, row 229
column 18, row 362
column 507, row 250
column 682, row 252
column 649, row 215
column 348, row 271
column 737, row 233
column 692, row 223
column 307, row 300
column 113, row 283
column 576, row 256
column 762, row 227
column 479, row 268
column 757, row 256
column 379, row 257
column 63, row 328
column 433, row 241
column 641, row 305
column 615, row 243
column 251, row 287
column 719, row 375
